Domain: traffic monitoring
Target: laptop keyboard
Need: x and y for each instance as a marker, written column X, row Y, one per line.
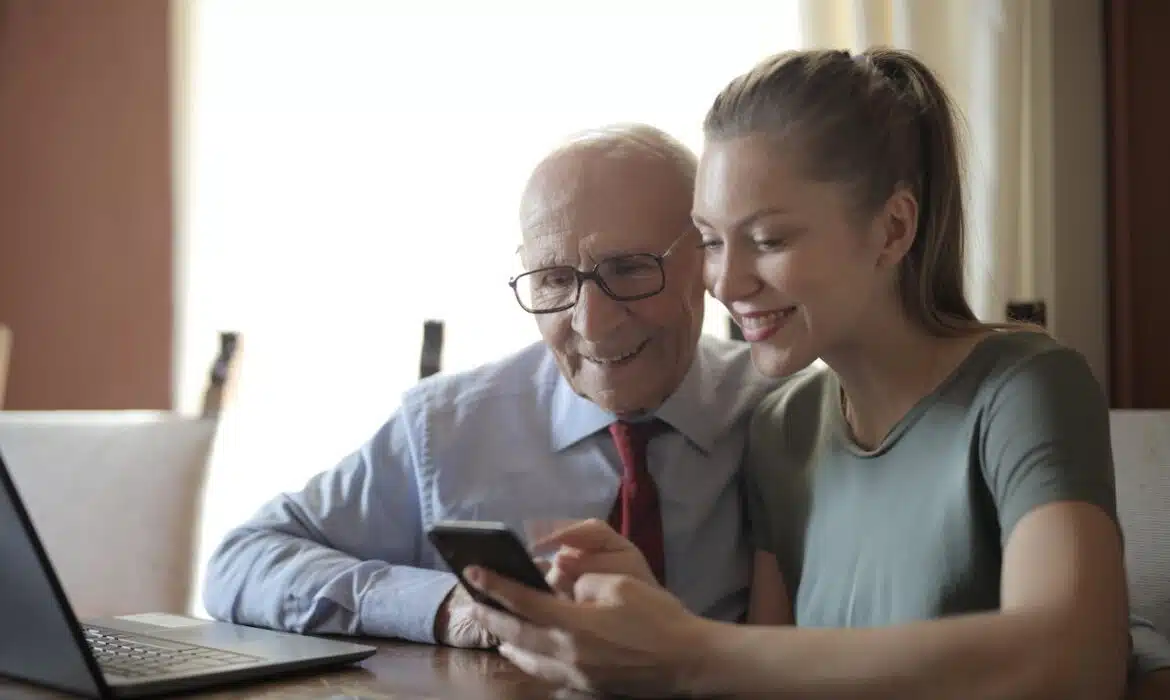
column 134, row 656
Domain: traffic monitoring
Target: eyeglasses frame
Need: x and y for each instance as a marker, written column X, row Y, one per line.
column 584, row 276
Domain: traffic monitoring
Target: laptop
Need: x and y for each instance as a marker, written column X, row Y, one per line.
column 132, row 656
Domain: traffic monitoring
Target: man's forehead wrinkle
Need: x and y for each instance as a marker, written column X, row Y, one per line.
column 547, row 239
column 546, row 213
column 540, row 249
column 551, row 247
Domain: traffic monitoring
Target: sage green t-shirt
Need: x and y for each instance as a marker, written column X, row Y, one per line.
column 914, row 529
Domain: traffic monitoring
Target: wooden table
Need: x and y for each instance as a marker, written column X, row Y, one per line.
column 399, row 671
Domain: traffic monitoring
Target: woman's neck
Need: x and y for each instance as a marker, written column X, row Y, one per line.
column 889, row 368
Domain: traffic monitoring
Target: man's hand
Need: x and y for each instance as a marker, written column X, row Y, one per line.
column 454, row 625
column 592, row 547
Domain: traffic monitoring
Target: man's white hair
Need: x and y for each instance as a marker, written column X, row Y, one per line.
column 623, row 140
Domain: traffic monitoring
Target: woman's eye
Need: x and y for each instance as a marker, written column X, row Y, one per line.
column 769, row 243
column 708, row 243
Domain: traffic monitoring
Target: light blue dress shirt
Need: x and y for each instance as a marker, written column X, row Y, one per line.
column 509, row 441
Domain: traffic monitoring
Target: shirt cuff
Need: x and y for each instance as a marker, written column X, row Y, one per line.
column 1151, row 651
column 403, row 604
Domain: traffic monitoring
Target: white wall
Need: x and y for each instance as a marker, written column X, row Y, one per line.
column 1070, row 258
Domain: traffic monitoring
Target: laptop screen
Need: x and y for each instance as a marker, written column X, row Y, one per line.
column 40, row 639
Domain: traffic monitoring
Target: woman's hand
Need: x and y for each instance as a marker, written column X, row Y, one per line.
column 592, row 547
column 618, row 634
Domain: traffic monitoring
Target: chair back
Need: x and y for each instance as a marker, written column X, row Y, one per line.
column 5, row 359
column 114, row 496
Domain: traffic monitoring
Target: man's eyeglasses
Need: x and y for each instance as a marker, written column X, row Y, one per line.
column 623, row 278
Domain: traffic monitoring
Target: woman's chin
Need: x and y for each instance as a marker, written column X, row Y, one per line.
column 772, row 361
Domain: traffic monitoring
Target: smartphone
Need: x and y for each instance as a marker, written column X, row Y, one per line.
column 490, row 545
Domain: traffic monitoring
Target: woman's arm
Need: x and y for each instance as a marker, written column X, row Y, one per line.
column 769, row 603
column 1061, row 633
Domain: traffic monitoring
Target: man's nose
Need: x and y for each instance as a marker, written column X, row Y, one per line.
column 596, row 313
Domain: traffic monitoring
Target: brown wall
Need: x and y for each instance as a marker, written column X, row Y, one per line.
column 1139, row 201
column 85, row 203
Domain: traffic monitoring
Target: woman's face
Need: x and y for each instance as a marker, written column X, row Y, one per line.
column 786, row 255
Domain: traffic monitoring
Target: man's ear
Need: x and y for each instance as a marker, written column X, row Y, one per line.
column 897, row 225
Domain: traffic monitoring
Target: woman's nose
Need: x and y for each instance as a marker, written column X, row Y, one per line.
column 729, row 277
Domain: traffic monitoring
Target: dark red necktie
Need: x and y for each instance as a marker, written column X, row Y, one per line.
column 636, row 513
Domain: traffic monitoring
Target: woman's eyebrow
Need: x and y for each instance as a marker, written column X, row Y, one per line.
column 746, row 221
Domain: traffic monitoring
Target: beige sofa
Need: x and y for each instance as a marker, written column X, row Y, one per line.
column 1141, row 455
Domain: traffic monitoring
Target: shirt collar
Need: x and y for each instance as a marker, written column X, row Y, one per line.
column 576, row 418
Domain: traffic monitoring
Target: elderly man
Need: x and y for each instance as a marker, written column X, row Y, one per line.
column 613, row 281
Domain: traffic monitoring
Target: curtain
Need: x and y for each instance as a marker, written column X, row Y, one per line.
column 347, row 169
column 993, row 56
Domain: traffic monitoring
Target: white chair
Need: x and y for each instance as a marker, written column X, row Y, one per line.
column 114, row 496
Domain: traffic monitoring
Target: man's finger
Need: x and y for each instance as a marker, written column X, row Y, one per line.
column 588, row 535
column 487, row 639
column 538, row 607
column 510, row 630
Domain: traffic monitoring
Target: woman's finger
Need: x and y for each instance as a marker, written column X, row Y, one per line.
column 537, row 666
column 538, row 607
column 560, row 580
column 600, row 588
column 587, row 535
column 575, row 564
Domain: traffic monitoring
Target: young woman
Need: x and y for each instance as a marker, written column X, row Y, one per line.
column 939, row 499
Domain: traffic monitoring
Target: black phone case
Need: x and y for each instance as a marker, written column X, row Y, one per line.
column 497, row 550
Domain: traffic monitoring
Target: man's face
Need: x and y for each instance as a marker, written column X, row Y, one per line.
column 582, row 208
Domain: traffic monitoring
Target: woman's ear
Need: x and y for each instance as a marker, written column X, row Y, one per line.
column 898, row 226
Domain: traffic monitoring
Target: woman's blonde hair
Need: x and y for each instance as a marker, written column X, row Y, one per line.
column 876, row 122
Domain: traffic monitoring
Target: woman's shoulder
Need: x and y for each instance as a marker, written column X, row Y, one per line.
column 796, row 407
column 806, row 386
column 1008, row 361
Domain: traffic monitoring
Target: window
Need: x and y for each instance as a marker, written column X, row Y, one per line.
column 351, row 168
